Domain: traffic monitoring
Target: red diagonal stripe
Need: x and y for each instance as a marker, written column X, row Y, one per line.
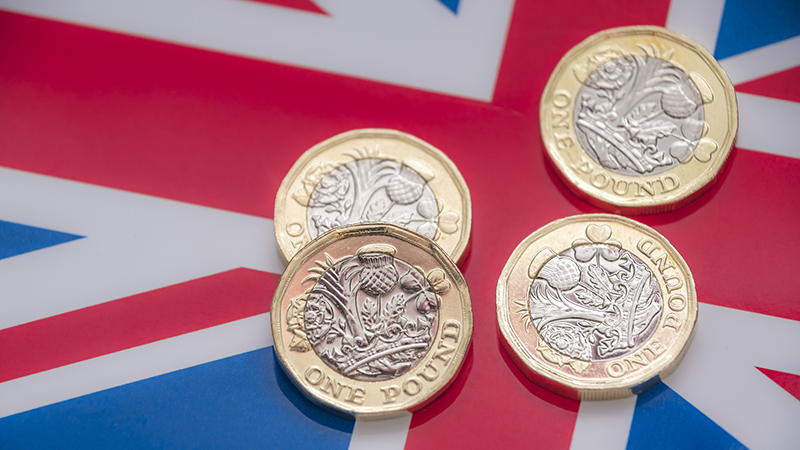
column 789, row 381
column 783, row 85
column 302, row 5
column 132, row 321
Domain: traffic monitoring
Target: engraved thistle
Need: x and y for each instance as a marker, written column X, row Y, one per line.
column 370, row 316
column 641, row 114
column 594, row 301
column 374, row 189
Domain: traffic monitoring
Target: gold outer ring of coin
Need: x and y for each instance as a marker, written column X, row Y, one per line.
column 653, row 356
column 385, row 398
column 648, row 193
column 452, row 209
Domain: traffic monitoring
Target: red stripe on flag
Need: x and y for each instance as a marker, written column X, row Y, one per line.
column 784, row 85
column 132, row 321
column 514, row 192
column 788, row 381
column 302, row 5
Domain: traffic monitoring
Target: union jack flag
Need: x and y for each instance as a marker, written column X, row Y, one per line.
column 141, row 147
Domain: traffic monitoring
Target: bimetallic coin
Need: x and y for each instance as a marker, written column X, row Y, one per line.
column 373, row 175
column 371, row 320
column 638, row 119
column 596, row 307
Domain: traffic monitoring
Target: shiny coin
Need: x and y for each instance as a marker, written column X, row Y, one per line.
column 638, row 119
column 596, row 307
column 373, row 175
column 371, row 320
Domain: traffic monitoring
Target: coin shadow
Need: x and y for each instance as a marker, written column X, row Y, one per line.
column 310, row 408
column 450, row 394
column 279, row 254
column 561, row 185
column 465, row 262
column 536, row 390
column 698, row 203
column 652, row 219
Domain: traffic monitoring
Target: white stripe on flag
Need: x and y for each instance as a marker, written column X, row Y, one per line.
column 417, row 43
column 768, row 125
column 719, row 376
column 381, row 434
column 138, row 363
column 603, row 425
column 697, row 20
column 134, row 243
column 763, row 61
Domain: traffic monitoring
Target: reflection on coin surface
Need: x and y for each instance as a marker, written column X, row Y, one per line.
column 596, row 307
column 638, row 119
column 373, row 175
column 371, row 320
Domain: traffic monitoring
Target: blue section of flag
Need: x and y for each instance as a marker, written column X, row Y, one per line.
column 452, row 5
column 687, row 427
column 747, row 25
column 241, row 402
column 16, row 239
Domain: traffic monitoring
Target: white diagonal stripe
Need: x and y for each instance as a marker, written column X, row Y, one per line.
column 762, row 61
column 603, row 425
column 719, row 376
column 380, row 434
column 697, row 20
column 134, row 243
column 768, row 125
column 138, row 363
column 417, row 43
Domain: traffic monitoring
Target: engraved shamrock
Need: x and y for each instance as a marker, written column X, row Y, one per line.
column 435, row 221
column 426, row 294
column 598, row 234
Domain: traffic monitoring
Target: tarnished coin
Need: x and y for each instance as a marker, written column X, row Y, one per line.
column 638, row 119
column 371, row 320
column 596, row 307
column 374, row 175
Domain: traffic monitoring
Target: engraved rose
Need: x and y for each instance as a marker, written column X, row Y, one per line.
column 314, row 175
column 331, row 189
column 567, row 339
column 611, row 75
column 318, row 318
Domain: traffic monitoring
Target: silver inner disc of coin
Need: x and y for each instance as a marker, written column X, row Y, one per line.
column 595, row 302
column 639, row 115
column 373, row 190
column 371, row 317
